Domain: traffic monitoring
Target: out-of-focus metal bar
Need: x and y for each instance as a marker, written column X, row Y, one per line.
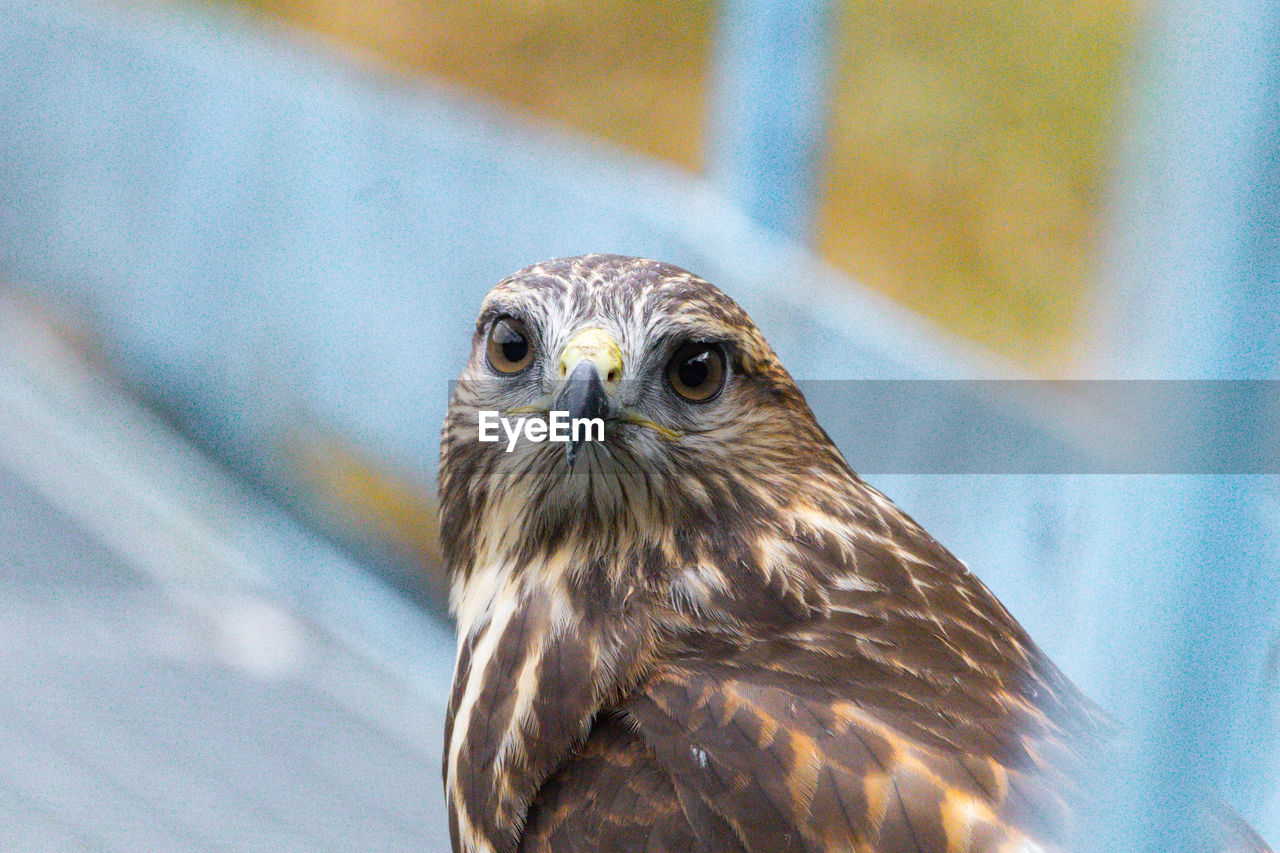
column 772, row 76
column 1195, row 292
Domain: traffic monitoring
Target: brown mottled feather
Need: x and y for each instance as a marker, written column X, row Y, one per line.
column 613, row 796
column 712, row 635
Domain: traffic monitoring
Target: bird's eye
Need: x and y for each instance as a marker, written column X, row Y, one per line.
column 510, row 350
column 696, row 372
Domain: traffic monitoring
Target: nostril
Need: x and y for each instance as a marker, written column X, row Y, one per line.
column 612, row 377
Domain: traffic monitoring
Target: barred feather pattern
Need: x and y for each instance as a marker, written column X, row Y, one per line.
column 714, row 636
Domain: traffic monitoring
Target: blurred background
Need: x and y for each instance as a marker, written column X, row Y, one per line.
column 964, row 148
column 241, row 249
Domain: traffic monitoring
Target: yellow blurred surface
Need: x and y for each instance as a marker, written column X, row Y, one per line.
column 968, row 147
column 970, row 144
column 368, row 501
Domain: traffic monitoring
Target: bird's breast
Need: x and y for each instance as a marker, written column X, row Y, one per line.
column 533, row 670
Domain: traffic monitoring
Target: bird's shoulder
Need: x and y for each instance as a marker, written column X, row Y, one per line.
column 858, row 603
column 901, row 702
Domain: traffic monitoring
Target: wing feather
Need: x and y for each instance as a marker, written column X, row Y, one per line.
column 790, row 771
column 613, row 796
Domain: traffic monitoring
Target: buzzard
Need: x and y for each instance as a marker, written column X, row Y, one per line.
column 704, row 632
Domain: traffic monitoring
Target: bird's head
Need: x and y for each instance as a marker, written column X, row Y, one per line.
column 700, row 420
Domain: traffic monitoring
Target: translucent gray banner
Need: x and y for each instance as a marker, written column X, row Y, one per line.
column 1052, row 426
column 1211, row 427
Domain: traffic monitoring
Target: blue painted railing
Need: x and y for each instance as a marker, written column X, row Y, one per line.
column 1193, row 290
column 768, row 127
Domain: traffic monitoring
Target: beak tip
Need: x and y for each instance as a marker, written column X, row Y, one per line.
column 584, row 394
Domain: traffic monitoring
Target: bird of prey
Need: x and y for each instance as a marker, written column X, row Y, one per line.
column 704, row 632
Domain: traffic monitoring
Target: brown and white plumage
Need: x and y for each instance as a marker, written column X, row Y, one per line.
column 706, row 633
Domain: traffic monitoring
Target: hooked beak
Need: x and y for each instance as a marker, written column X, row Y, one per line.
column 591, row 366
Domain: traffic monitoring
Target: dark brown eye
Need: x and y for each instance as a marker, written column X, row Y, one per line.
column 696, row 371
column 510, row 350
